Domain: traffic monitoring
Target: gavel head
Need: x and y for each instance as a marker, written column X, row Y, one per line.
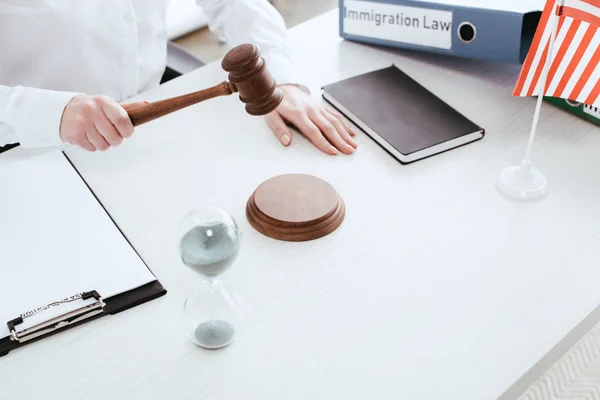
column 248, row 75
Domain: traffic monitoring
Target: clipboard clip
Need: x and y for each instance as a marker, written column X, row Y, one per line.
column 58, row 322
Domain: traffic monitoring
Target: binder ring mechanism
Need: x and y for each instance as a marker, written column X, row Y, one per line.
column 467, row 32
column 58, row 322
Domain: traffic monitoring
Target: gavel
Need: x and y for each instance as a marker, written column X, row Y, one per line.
column 248, row 76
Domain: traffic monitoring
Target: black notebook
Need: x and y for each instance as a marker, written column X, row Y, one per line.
column 405, row 118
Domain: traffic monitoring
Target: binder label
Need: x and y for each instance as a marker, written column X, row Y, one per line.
column 412, row 25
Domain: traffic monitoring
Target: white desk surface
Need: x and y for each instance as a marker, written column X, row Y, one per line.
column 435, row 286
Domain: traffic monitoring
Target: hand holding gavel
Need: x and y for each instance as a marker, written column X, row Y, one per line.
column 248, row 75
column 98, row 122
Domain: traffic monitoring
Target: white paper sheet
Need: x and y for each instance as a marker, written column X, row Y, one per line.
column 56, row 240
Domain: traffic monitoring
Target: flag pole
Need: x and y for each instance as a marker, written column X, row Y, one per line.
column 542, row 84
column 522, row 181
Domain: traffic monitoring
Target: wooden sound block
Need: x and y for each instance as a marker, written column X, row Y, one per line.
column 295, row 207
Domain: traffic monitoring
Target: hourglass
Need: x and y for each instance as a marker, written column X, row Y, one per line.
column 209, row 241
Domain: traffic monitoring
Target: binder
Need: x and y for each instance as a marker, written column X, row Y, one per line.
column 490, row 30
column 108, row 282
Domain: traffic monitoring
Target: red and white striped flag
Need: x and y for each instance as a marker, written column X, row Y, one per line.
column 574, row 70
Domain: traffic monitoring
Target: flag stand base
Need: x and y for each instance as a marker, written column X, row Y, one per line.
column 522, row 182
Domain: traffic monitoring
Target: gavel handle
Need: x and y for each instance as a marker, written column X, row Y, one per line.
column 151, row 111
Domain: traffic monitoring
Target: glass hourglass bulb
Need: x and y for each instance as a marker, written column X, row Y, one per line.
column 209, row 241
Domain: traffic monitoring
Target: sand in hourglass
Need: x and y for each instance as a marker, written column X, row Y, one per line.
column 210, row 250
column 214, row 334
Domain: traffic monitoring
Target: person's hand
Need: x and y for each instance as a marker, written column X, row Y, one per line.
column 324, row 127
column 95, row 122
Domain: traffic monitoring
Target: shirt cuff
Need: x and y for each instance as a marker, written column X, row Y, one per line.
column 283, row 70
column 38, row 124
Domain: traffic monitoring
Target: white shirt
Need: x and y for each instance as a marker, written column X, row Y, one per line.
column 52, row 50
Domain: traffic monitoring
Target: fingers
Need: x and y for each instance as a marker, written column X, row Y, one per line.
column 83, row 142
column 324, row 130
column 92, row 135
column 330, row 131
column 342, row 119
column 118, row 118
column 95, row 122
column 340, row 128
column 106, row 129
column 313, row 133
column 279, row 128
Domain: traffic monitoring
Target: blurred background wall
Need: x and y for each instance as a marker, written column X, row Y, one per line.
column 187, row 24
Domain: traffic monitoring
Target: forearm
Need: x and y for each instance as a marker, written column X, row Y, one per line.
column 31, row 116
column 257, row 22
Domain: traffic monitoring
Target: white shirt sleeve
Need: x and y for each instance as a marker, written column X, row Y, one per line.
column 259, row 23
column 31, row 116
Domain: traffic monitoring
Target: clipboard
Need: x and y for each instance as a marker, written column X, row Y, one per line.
column 100, row 307
column 69, row 310
column 8, row 147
